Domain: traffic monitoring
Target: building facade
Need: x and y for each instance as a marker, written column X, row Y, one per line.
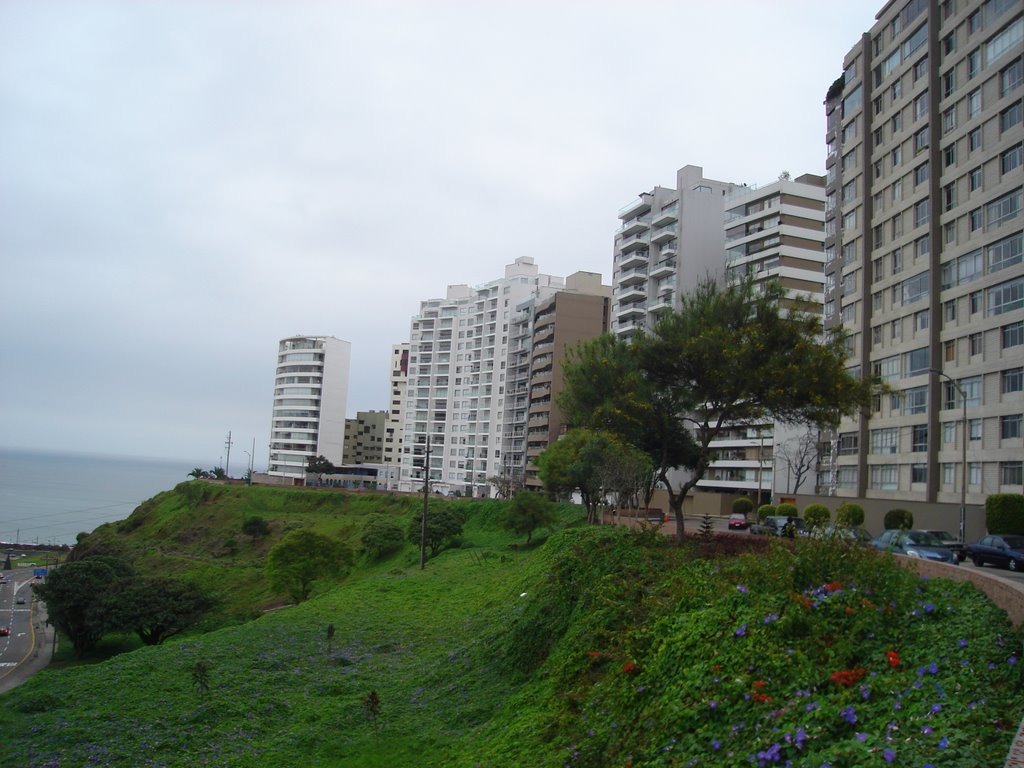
column 668, row 241
column 456, row 390
column 364, row 438
column 310, row 396
column 923, row 263
column 398, row 380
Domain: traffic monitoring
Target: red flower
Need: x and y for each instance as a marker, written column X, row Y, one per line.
column 833, row 586
column 893, row 657
column 594, row 654
column 759, row 683
column 847, row 677
column 629, row 667
column 761, row 697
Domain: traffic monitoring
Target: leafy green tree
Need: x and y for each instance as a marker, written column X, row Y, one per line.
column 444, row 525
column 1004, row 513
column 786, row 509
column 728, row 356
column 320, row 466
column 576, row 462
column 898, row 518
column 629, row 477
column 74, row 601
column 156, row 608
column 380, row 536
column 849, row 514
column 303, row 557
column 742, row 506
column 817, row 515
column 528, row 512
column 218, row 473
column 256, row 527
column 765, row 511
column 198, row 473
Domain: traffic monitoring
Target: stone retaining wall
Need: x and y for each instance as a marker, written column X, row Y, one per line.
column 1003, row 592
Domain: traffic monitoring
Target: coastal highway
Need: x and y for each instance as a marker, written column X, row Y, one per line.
column 24, row 650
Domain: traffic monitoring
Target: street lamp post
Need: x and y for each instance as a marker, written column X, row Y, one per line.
column 963, row 452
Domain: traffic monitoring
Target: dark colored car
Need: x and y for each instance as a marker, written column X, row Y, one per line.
column 950, row 541
column 738, row 522
column 20, row 601
column 1005, row 550
column 780, row 525
column 915, row 544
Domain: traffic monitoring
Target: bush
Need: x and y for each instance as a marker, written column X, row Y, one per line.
column 764, row 511
column 742, row 506
column 850, row 515
column 528, row 512
column 898, row 518
column 255, row 526
column 1004, row 513
column 817, row 515
column 787, row 510
column 380, row 536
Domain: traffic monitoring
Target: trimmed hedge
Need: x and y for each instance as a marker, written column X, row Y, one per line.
column 817, row 515
column 789, row 510
column 899, row 518
column 1004, row 513
column 765, row 510
column 742, row 506
column 850, row 515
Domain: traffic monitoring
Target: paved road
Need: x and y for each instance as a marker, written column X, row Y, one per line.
column 29, row 646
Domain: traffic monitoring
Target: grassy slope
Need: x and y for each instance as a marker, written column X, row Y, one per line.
column 471, row 673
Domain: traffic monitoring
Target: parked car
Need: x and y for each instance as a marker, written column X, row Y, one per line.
column 1005, row 550
column 4, row 631
column 776, row 525
column 915, row 544
column 20, row 600
column 952, row 542
column 738, row 522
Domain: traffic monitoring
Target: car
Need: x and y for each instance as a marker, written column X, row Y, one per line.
column 738, row 522
column 20, row 600
column 1006, row 550
column 915, row 543
column 845, row 533
column 950, row 541
column 4, row 631
column 780, row 525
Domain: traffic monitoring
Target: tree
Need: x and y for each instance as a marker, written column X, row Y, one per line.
column 157, row 608
column 629, row 477
column 576, row 462
column 528, row 512
column 218, row 473
column 505, row 485
column 817, row 515
column 303, row 557
column 320, row 466
column 898, row 518
column 198, row 473
column 729, row 356
column 74, row 601
column 256, row 527
column 799, row 456
column 1004, row 513
column 849, row 515
column 444, row 525
column 742, row 506
column 380, row 536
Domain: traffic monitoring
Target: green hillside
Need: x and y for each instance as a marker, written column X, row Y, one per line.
column 597, row 647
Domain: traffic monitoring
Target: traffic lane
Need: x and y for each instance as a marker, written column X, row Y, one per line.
column 17, row 618
column 992, row 570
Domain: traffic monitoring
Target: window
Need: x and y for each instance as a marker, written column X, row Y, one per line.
column 921, row 140
column 849, row 191
column 849, row 252
column 921, row 174
column 885, row 440
column 897, row 261
column 949, row 232
column 850, row 161
column 974, row 344
column 850, row 220
column 896, row 91
column 848, row 444
column 897, row 226
column 949, row 155
column 974, row 179
column 915, row 400
column 1005, row 253
column 897, row 190
column 877, row 269
column 922, row 212
column 972, row 389
column 949, row 84
column 975, row 299
column 973, row 63
column 976, row 219
column 876, row 335
column 1012, row 334
column 948, row 473
column 1012, row 380
column 1004, row 41
column 884, row 477
column 1011, row 473
column 849, row 132
column 919, row 438
column 915, row 362
column 949, row 432
column 974, row 473
column 1011, row 77
column 973, row 103
column 922, row 247
column 949, row 120
column 1010, row 117
column 921, row 321
column 917, row 38
column 852, row 102
column 896, row 329
column 1011, row 158
column 876, row 301
column 949, row 350
column 974, row 140
column 919, row 473
column 916, row 288
column 897, row 156
column 1010, row 426
column 1003, row 209
column 921, row 105
column 949, row 311
column 846, row 477
column 896, row 123
column 887, row 369
column 877, row 236
column 849, row 284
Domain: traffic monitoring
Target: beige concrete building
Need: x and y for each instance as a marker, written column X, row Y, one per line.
column 364, row 438
column 398, row 380
column 923, row 265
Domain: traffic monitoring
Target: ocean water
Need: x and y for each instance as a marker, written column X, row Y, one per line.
column 48, row 498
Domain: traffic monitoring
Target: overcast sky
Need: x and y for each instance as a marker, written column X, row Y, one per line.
column 184, row 183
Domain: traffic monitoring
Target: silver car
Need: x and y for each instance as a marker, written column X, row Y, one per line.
column 916, row 544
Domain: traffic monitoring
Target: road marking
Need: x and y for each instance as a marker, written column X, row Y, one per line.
column 8, row 663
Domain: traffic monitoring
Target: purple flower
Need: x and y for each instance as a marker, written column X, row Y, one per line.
column 741, row 632
column 889, row 755
column 962, row 643
column 1012, row 660
column 716, row 744
column 812, row 706
column 742, row 588
column 713, row 704
column 936, row 707
column 928, row 607
column 933, row 668
column 926, row 730
column 943, row 742
column 771, row 617
column 849, row 715
column 861, row 736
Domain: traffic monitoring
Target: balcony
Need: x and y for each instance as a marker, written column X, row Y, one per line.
column 669, row 249
column 664, row 268
column 635, row 207
column 634, row 259
column 664, row 234
column 634, row 243
column 667, row 215
column 635, row 293
column 631, row 311
column 633, row 276
column 631, row 227
column 663, row 303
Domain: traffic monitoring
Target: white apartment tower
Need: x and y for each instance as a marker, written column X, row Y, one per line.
column 456, row 388
column 310, row 396
column 669, row 240
column 772, row 232
column 924, row 244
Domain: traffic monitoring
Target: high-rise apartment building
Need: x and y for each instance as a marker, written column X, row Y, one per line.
column 669, row 240
column 924, row 248
column 456, row 389
column 364, row 438
column 772, row 232
column 310, row 396
column 398, row 380
column 544, row 328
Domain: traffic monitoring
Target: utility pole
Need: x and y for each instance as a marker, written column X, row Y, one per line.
column 426, row 499
column 227, row 461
